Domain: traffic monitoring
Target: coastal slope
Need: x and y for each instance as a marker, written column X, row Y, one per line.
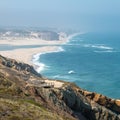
column 27, row 95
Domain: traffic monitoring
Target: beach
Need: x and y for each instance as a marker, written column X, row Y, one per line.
column 30, row 41
column 26, row 54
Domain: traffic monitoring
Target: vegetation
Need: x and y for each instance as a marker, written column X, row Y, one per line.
column 19, row 101
column 23, row 110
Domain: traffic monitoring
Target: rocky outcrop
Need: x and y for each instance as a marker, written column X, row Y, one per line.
column 112, row 104
column 92, row 109
column 11, row 63
column 69, row 99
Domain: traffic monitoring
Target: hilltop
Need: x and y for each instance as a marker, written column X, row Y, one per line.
column 27, row 95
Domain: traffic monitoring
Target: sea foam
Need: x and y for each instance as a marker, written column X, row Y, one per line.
column 106, row 51
column 36, row 60
column 98, row 46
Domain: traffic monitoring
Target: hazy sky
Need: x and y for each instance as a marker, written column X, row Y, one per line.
column 78, row 14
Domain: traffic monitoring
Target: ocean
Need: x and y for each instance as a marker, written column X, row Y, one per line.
column 90, row 60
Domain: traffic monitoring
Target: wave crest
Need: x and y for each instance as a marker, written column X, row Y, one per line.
column 99, row 46
column 107, row 51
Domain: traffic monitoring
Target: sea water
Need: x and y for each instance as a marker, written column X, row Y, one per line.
column 90, row 60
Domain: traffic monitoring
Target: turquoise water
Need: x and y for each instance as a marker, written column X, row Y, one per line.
column 90, row 60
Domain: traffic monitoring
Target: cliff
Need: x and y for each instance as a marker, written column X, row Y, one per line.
column 26, row 95
column 24, row 34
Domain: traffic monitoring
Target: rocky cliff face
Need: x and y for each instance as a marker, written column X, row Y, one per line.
column 21, row 67
column 97, row 107
column 19, row 92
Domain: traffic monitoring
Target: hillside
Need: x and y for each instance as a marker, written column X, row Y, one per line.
column 26, row 95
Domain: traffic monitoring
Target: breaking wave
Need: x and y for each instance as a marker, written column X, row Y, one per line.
column 36, row 60
column 106, row 51
column 98, row 46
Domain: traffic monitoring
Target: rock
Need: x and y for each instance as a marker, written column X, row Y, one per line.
column 18, row 66
column 73, row 100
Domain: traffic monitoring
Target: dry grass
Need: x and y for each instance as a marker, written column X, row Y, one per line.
column 24, row 110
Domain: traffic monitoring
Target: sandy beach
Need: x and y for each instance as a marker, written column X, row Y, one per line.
column 25, row 54
column 29, row 41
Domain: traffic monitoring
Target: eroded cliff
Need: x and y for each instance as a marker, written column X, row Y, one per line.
column 25, row 94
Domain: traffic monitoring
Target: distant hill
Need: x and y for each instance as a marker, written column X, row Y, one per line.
column 37, row 34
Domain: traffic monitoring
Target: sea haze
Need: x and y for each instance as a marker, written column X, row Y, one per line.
column 90, row 60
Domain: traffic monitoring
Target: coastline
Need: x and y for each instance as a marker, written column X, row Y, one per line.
column 25, row 55
column 31, row 55
column 52, row 92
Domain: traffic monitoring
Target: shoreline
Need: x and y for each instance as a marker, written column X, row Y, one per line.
column 35, row 58
column 25, row 55
column 40, row 66
column 31, row 55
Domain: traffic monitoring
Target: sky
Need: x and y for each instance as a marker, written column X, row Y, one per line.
column 86, row 15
